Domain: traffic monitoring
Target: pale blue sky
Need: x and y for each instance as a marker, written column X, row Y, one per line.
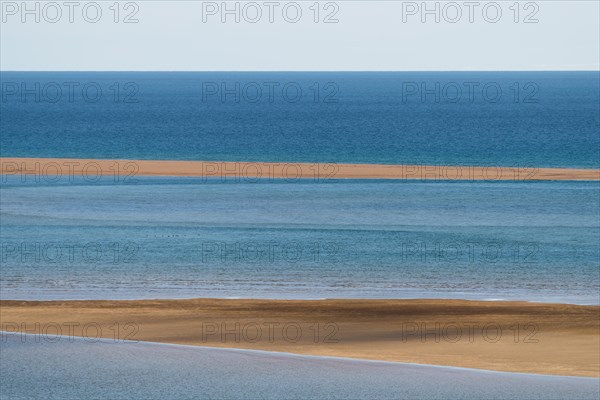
column 370, row 35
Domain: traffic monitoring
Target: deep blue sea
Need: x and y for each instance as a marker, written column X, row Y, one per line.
column 543, row 119
column 185, row 237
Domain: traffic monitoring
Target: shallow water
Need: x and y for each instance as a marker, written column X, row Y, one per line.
column 63, row 368
column 183, row 237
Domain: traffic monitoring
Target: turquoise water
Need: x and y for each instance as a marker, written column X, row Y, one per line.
column 537, row 119
column 187, row 237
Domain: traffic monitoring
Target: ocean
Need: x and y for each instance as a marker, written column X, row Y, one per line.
column 542, row 119
column 192, row 237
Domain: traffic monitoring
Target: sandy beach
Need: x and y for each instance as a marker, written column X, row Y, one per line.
column 505, row 336
column 53, row 168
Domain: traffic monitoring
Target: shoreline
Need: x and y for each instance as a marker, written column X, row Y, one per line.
column 50, row 168
column 302, row 356
column 509, row 336
column 183, row 371
column 304, row 299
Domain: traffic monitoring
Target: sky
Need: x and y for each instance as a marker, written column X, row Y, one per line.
column 374, row 35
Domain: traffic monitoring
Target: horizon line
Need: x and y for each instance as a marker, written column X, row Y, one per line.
column 597, row 69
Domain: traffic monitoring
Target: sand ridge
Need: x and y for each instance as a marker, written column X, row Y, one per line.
column 121, row 170
column 541, row 338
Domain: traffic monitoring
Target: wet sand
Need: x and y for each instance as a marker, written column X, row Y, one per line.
column 243, row 171
column 538, row 338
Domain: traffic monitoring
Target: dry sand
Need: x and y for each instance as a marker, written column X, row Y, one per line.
column 507, row 336
column 49, row 168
